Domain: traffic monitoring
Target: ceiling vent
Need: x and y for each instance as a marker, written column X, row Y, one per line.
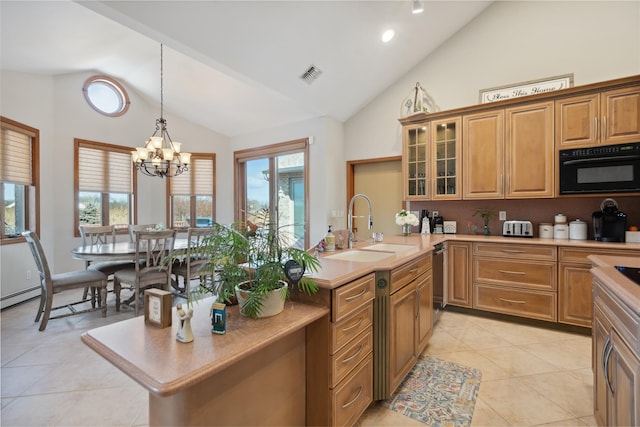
column 311, row 74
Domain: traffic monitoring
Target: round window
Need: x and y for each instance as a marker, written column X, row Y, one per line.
column 106, row 96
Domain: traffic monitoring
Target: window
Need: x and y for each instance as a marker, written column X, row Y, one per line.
column 104, row 185
column 191, row 195
column 106, row 95
column 272, row 185
column 19, row 172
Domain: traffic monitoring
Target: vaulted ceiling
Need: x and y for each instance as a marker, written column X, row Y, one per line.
column 233, row 66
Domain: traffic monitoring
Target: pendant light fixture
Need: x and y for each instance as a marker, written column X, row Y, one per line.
column 161, row 156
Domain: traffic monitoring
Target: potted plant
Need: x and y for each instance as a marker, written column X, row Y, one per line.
column 487, row 214
column 249, row 261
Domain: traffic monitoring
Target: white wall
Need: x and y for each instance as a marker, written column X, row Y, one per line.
column 510, row 42
column 57, row 107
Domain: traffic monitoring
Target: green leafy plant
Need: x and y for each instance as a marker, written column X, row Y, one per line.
column 487, row 214
column 251, row 257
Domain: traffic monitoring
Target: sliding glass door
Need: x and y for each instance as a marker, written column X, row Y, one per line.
column 272, row 191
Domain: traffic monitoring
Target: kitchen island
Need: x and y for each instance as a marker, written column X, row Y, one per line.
column 255, row 374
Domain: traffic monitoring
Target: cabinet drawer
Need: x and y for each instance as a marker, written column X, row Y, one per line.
column 510, row 250
column 579, row 255
column 533, row 304
column 350, row 356
column 353, row 396
column 407, row 273
column 351, row 296
column 348, row 328
column 528, row 274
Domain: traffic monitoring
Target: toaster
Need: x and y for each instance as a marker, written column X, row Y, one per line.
column 517, row 229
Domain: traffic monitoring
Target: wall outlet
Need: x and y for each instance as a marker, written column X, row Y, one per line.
column 435, row 214
column 28, row 275
column 502, row 215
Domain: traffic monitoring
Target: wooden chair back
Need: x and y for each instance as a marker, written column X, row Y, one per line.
column 97, row 234
column 138, row 227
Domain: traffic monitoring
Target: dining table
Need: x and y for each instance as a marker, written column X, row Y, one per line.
column 117, row 251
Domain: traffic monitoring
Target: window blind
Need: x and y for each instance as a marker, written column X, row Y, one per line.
column 197, row 181
column 103, row 170
column 15, row 157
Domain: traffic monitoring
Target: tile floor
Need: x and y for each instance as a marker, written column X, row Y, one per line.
column 530, row 375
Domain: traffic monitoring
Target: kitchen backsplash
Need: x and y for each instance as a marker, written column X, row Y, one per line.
column 534, row 210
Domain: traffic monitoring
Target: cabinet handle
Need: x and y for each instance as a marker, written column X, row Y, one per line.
column 512, row 251
column 597, row 132
column 512, row 300
column 500, row 182
column 356, row 296
column 417, row 303
column 354, row 326
column 413, row 270
column 512, row 272
column 346, row 405
column 350, row 358
column 604, row 128
column 606, row 368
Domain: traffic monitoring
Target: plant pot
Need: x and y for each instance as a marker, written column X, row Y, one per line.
column 406, row 229
column 272, row 304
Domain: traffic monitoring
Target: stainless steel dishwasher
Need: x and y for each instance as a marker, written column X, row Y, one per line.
column 438, row 280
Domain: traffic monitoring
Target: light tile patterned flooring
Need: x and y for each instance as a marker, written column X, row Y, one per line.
column 530, row 375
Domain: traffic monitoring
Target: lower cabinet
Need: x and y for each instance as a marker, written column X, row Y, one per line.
column 403, row 306
column 575, row 283
column 339, row 355
column 459, row 274
column 518, row 280
column 616, row 360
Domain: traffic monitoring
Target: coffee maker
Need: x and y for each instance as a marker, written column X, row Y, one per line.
column 609, row 223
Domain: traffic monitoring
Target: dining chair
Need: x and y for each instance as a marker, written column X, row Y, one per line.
column 51, row 284
column 194, row 260
column 151, row 247
column 138, row 227
column 101, row 235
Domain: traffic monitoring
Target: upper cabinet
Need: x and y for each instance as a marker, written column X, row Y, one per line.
column 483, row 155
column 609, row 117
column 508, row 153
column 446, row 152
column 508, row 149
column 415, row 161
column 529, row 152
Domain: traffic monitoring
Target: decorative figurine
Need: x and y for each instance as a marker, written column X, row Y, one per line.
column 185, row 334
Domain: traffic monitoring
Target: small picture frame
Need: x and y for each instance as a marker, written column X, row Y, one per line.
column 157, row 308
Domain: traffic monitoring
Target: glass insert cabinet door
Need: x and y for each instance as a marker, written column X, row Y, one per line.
column 446, row 142
column 416, row 152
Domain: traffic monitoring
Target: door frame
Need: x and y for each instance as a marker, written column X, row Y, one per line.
column 351, row 165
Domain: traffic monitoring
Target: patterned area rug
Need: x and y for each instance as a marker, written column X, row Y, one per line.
column 438, row 393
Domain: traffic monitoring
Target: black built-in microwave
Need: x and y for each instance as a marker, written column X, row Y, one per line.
column 603, row 169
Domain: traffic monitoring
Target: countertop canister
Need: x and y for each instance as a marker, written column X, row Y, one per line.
column 545, row 230
column 560, row 228
column 578, row 230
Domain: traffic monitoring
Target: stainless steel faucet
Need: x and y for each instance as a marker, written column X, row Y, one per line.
column 350, row 217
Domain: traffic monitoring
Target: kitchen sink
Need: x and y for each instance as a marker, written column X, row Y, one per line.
column 360, row 256
column 389, row 247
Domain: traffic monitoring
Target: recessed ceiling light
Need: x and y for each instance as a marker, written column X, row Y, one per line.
column 387, row 36
column 417, row 7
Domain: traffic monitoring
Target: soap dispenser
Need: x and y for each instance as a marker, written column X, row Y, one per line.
column 330, row 241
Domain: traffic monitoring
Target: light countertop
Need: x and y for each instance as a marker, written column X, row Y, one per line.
column 623, row 287
column 334, row 273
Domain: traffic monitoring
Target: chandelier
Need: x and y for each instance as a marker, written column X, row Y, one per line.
column 161, row 156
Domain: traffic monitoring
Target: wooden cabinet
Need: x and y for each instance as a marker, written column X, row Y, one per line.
column 483, row 155
column 404, row 312
column 402, row 338
column 529, row 151
column 609, row 117
column 446, row 153
column 416, row 165
column 459, row 274
column 431, row 160
column 514, row 162
column 575, row 282
column 340, row 357
column 616, row 359
column 515, row 279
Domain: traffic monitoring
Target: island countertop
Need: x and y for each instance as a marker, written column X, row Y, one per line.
column 156, row 360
